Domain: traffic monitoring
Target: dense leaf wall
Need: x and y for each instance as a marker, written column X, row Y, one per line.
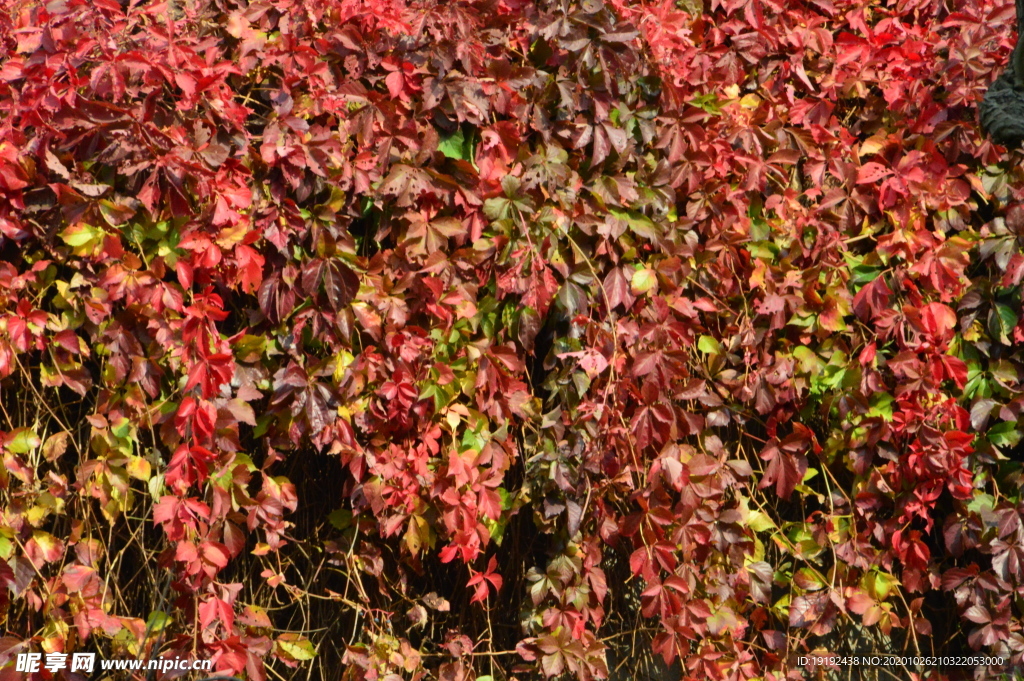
column 387, row 339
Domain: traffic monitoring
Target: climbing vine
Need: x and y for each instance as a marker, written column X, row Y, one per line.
column 384, row 339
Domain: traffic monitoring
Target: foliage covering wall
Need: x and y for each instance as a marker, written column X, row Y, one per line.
column 384, row 339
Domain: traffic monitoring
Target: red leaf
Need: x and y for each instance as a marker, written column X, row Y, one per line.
column 872, row 172
column 395, row 82
column 340, row 284
column 216, row 610
column 250, row 268
column 785, row 470
column 276, row 298
column 872, row 299
column 215, row 556
column 186, row 82
column 210, row 373
column 479, row 580
column 937, row 321
column 490, row 503
column 955, row 369
column 977, row 614
column 859, row 602
column 807, row 610
column 617, row 288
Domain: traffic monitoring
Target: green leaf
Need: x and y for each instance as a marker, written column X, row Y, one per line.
column 84, row 239
column 832, row 376
column 994, row 180
column 709, row 345
column 457, row 146
column 442, row 394
column 638, row 223
column 1001, row 321
column 6, row 545
column 864, row 274
column 23, row 442
column 262, row 424
column 1005, row 374
column 765, row 250
column 571, row 298
column 981, row 503
column 760, row 230
column 977, row 383
column 759, row 522
column 157, row 621
column 643, row 281
column 810, row 363
column 1004, row 434
column 803, row 321
column 881, row 405
column 340, row 518
column 496, row 528
column 709, row 102
column 879, row 584
column 295, row 647
column 122, row 428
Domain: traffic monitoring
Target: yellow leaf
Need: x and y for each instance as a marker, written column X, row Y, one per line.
column 139, row 468
column 643, row 281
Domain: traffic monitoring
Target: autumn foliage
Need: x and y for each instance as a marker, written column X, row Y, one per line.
column 384, row 339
